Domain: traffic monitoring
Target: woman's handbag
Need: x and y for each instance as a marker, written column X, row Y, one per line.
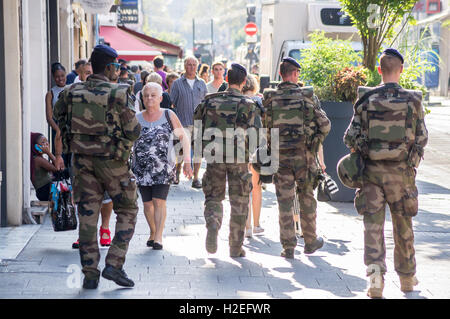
column 327, row 187
column 62, row 210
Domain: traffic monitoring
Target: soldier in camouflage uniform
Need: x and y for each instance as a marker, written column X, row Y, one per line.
column 303, row 126
column 98, row 126
column 388, row 131
column 227, row 110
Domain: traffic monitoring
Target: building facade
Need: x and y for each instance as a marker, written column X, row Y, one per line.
column 33, row 35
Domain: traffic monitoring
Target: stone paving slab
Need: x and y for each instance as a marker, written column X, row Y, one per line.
column 14, row 239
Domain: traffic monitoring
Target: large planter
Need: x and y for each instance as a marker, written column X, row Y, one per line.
column 340, row 115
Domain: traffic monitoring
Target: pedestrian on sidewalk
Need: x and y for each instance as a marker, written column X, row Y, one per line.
column 59, row 76
column 218, row 70
column 186, row 94
column 171, row 77
column 204, row 73
column 137, row 72
column 85, row 73
column 156, row 78
column 154, row 159
column 293, row 111
column 251, row 89
column 101, row 150
column 386, row 136
column 223, row 111
column 139, row 85
column 41, row 169
column 158, row 67
column 126, row 78
column 79, row 65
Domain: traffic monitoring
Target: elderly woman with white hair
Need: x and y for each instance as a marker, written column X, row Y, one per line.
column 166, row 103
column 154, row 159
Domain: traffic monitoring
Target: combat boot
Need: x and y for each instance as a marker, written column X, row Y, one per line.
column 237, row 252
column 376, row 286
column 117, row 275
column 288, row 253
column 311, row 248
column 211, row 240
column 90, row 283
column 407, row 283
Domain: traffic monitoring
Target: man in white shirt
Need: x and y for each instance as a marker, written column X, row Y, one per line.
column 218, row 71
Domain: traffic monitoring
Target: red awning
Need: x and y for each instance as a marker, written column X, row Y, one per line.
column 165, row 47
column 128, row 47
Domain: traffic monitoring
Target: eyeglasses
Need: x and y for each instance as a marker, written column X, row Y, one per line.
column 117, row 65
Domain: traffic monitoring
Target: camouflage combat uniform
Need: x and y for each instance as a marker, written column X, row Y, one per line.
column 99, row 127
column 388, row 130
column 303, row 126
column 229, row 109
column 128, row 81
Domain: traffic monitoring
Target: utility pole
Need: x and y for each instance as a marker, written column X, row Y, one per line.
column 251, row 40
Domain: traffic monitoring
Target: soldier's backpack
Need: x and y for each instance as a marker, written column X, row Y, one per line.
column 220, row 111
column 94, row 121
column 387, row 121
column 291, row 110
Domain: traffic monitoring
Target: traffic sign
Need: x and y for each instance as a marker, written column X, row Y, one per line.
column 251, row 39
column 250, row 29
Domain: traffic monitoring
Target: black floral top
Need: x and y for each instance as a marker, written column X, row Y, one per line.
column 154, row 156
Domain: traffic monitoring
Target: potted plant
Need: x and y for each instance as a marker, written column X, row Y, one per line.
column 329, row 66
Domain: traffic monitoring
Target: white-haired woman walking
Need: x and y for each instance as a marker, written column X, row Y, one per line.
column 154, row 159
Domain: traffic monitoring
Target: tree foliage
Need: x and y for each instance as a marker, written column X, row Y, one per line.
column 378, row 21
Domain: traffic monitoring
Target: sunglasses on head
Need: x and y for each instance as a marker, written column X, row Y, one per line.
column 117, row 65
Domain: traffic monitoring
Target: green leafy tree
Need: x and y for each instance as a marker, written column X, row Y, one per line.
column 378, row 21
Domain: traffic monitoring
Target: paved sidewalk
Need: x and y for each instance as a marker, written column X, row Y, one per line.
column 184, row 269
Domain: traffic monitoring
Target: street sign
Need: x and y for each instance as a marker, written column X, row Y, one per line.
column 129, row 12
column 251, row 39
column 250, row 29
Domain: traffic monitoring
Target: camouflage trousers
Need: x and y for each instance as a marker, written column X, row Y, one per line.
column 392, row 183
column 239, row 187
column 296, row 166
column 92, row 177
